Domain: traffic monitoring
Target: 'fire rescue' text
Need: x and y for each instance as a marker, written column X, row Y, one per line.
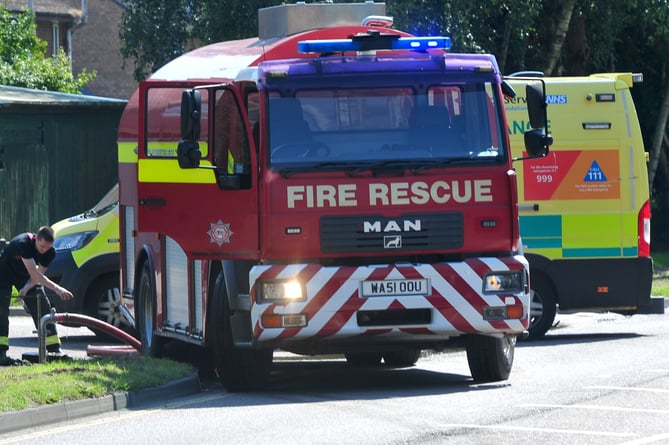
column 396, row 193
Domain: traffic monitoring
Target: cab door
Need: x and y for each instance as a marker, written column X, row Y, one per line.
column 197, row 208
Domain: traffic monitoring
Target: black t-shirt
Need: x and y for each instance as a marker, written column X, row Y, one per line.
column 12, row 270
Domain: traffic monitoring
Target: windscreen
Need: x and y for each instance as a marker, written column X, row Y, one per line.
column 349, row 125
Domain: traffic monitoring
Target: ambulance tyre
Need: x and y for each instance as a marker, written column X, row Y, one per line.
column 103, row 302
column 401, row 359
column 490, row 358
column 238, row 369
column 542, row 307
column 145, row 316
column 363, row 358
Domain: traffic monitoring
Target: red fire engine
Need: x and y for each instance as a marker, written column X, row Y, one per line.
column 341, row 190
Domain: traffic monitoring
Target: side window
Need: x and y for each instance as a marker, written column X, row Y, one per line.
column 162, row 123
column 231, row 145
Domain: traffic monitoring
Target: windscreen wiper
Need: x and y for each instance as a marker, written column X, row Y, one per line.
column 438, row 163
column 316, row 166
column 398, row 165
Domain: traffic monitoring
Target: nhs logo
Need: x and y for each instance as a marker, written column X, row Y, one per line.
column 556, row 99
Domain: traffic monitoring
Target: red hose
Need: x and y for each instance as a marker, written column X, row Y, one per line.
column 91, row 322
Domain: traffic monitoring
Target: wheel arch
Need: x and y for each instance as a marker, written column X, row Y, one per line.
column 151, row 343
column 144, row 256
column 236, row 287
column 540, row 270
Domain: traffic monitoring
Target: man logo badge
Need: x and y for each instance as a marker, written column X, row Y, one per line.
column 392, row 242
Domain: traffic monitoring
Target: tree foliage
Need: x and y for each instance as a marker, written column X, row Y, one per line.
column 23, row 60
column 153, row 33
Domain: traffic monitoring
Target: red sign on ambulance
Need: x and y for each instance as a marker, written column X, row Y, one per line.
column 573, row 174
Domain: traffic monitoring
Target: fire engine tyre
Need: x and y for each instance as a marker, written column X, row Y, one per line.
column 145, row 316
column 401, row 359
column 542, row 307
column 490, row 358
column 103, row 301
column 363, row 358
column 238, row 369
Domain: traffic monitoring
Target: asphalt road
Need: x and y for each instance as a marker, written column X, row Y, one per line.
column 595, row 379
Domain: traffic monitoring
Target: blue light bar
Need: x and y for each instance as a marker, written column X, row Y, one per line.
column 371, row 44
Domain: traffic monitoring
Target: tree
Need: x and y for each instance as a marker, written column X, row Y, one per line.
column 153, row 33
column 560, row 35
column 501, row 27
column 23, row 60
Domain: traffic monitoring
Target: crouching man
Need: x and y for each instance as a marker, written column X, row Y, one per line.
column 22, row 264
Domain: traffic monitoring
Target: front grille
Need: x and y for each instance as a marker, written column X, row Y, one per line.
column 375, row 233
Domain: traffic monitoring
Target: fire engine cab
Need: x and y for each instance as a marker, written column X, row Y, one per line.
column 339, row 190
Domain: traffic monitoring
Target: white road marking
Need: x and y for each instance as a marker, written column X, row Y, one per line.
column 629, row 388
column 646, row 440
column 596, row 408
column 536, row 429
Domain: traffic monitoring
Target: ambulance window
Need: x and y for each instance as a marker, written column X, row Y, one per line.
column 162, row 129
column 231, row 144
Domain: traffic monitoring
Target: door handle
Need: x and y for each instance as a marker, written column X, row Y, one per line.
column 153, row 202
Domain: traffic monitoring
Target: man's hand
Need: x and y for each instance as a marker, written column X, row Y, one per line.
column 24, row 290
column 63, row 293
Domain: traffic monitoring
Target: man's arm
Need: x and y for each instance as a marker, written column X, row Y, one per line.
column 37, row 277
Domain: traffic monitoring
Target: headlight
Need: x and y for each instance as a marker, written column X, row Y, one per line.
column 281, row 291
column 74, row 241
column 511, row 281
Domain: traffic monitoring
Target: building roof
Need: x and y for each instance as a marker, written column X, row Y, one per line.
column 16, row 96
column 68, row 10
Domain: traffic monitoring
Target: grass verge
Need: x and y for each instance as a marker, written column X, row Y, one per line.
column 59, row 381
column 660, row 274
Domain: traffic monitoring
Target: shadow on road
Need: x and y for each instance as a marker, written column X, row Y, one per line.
column 316, row 381
column 553, row 339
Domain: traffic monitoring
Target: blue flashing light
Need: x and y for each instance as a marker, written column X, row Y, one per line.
column 372, row 43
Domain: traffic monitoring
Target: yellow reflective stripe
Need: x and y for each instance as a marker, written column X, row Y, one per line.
column 127, row 152
column 168, row 171
column 231, row 163
column 52, row 340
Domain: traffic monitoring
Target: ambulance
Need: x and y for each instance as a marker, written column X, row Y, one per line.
column 585, row 207
column 87, row 263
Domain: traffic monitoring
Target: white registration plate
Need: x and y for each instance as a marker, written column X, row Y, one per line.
column 381, row 288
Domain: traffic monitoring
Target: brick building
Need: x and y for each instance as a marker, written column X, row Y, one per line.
column 88, row 31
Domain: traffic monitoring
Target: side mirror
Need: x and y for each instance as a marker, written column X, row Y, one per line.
column 191, row 111
column 188, row 154
column 536, row 104
column 537, row 142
